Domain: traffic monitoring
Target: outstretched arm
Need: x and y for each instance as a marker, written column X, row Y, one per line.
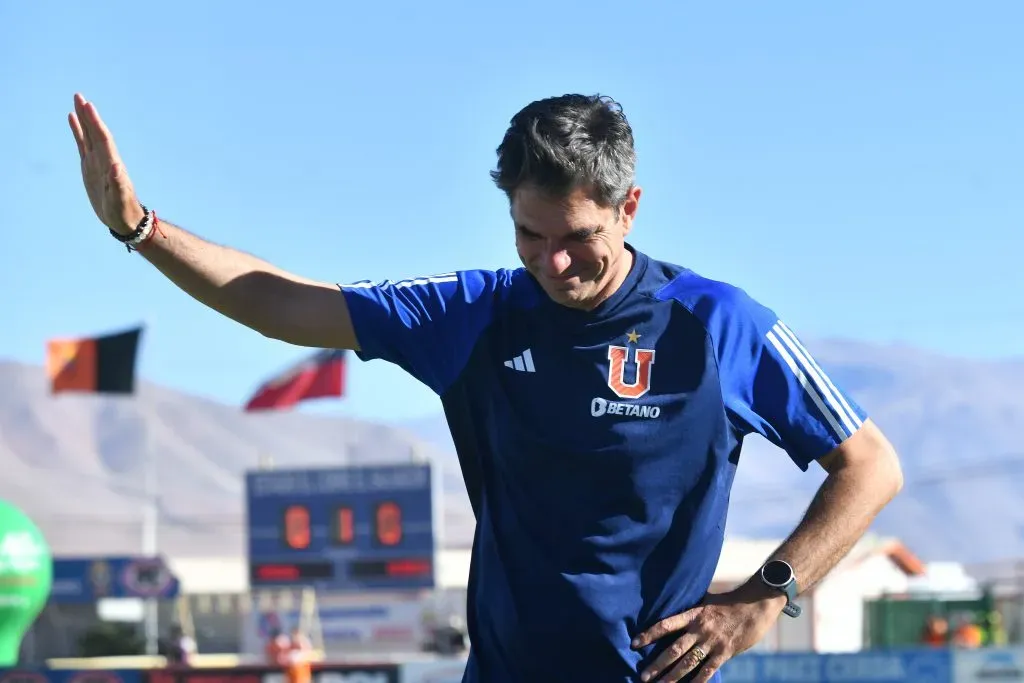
column 257, row 294
column 246, row 289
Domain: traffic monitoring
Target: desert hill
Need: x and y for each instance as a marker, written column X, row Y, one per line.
column 76, row 463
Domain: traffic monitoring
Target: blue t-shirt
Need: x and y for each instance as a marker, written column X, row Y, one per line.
column 598, row 448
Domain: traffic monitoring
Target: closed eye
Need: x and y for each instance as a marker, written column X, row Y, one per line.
column 577, row 235
column 583, row 234
column 528, row 234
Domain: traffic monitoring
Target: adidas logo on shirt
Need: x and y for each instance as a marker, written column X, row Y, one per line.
column 522, row 362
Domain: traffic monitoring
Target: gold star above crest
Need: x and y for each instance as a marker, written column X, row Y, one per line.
column 632, row 336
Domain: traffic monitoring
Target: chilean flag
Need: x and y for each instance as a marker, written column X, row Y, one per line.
column 318, row 376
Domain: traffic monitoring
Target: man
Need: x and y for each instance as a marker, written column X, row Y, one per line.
column 300, row 658
column 597, row 398
column 181, row 648
column 277, row 648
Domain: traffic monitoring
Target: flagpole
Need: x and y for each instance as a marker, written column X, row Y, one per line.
column 150, row 526
column 150, row 519
column 70, row 370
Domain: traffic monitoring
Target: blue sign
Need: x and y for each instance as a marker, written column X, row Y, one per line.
column 870, row 666
column 86, row 580
column 988, row 664
column 40, row 675
column 347, row 528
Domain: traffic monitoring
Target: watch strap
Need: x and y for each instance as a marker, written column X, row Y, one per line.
column 791, row 609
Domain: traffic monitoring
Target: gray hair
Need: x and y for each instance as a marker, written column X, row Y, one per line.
column 563, row 143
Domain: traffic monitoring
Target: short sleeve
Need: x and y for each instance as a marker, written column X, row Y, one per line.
column 428, row 326
column 774, row 387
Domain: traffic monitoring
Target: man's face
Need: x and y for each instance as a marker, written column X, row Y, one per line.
column 574, row 247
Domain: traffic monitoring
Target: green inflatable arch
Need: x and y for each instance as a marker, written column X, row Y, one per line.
column 26, row 575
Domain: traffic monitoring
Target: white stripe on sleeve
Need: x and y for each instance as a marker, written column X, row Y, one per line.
column 812, row 391
column 794, row 342
column 411, row 282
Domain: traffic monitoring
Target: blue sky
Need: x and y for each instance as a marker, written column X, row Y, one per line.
column 855, row 166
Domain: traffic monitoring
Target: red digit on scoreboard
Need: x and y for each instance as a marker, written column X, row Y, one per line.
column 296, row 527
column 344, row 526
column 389, row 524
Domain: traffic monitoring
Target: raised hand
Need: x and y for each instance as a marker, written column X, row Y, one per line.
column 110, row 190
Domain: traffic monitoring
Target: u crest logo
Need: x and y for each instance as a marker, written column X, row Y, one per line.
column 618, row 356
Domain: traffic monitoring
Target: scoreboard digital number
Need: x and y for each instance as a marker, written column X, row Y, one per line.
column 346, row 528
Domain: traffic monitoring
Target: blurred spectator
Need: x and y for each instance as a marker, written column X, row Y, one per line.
column 450, row 636
column 967, row 633
column 936, row 631
column 181, row 648
column 995, row 633
column 278, row 649
column 300, row 657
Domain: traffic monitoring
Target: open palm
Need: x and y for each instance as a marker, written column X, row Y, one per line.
column 106, row 181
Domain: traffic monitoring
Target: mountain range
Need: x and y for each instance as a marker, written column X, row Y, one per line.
column 77, row 463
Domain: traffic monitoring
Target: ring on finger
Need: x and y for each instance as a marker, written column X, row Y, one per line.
column 700, row 654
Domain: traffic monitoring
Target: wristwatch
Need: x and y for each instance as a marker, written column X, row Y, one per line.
column 779, row 576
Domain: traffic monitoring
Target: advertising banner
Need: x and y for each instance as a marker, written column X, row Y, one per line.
column 440, row 671
column 322, row 673
column 888, row 666
column 386, row 623
column 86, row 580
column 30, row 675
column 991, row 665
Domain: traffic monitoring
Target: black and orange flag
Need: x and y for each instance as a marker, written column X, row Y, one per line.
column 96, row 365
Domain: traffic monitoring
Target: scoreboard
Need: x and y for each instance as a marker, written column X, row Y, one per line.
column 341, row 529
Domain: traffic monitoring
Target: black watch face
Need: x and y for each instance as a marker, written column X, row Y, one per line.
column 777, row 573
